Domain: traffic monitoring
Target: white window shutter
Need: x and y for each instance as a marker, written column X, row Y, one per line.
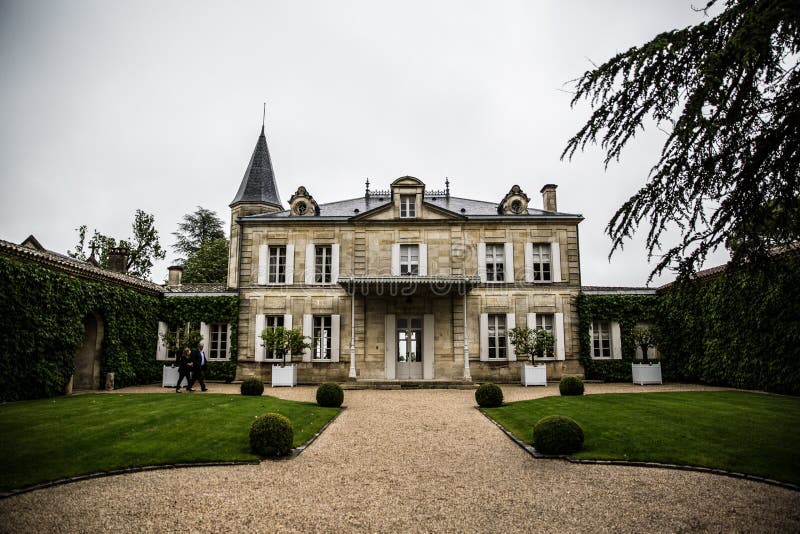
column 205, row 333
column 484, row 333
column 532, row 321
column 529, row 263
column 259, row 343
column 559, row 331
column 616, row 341
column 228, row 345
column 555, row 259
column 591, row 339
column 511, row 322
column 396, row 259
column 423, row 259
column 335, row 325
column 161, row 347
column 389, row 346
column 289, row 265
column 482, row 262
column 262, row 265
column 310, row 263
column 287, row 321
column 334, row 263
column 509, row 261
column 308, row 332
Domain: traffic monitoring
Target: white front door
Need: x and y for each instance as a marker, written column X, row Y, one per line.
column 409, row 348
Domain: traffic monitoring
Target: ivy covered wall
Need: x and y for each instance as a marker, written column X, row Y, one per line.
column 740, row 329
column 194, row 310
column 627, row 310
column 41, row 327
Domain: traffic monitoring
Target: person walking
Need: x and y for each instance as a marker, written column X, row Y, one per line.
column 184, row 361
column 198, row 367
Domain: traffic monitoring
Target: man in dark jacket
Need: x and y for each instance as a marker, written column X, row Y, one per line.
column 198, row 367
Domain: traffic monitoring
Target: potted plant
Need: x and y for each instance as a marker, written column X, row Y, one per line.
column 524, row 340
column 647, row 372
column 284, row 344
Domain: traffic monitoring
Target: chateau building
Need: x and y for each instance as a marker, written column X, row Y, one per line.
column 402, row 283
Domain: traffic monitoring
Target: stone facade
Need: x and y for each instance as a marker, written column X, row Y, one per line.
column 386, row 278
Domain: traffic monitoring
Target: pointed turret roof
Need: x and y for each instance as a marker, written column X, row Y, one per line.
column 258, row 183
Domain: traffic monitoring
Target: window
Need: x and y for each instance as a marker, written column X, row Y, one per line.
column 323, row 255
column 322, row 337
column 497, row 336
column 541, row 262
column 495, row 263
column 544, row 321
column 408, row 206
column 271, row 323
column 178, row 332
column 277, row 265
column 409, row 259
column 601, row 339
column 218, row 342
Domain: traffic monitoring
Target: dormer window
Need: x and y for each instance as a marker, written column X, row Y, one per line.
column 408, row 206
column 516, row 206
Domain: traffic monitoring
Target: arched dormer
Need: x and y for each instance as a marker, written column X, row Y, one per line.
column 407, row 195
column 514, row 203
column 303, row 204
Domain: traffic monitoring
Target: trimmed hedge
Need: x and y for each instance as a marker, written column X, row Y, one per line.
column 489, row 396
column 570, row 385
column 330, row 395
column 252, row 387
column 271, row 435
column 557, row 434
column 739, row 329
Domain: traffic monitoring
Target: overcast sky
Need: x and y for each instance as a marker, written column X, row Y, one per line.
column 112, row 106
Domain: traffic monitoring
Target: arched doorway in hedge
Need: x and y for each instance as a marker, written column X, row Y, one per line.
column 88, row 357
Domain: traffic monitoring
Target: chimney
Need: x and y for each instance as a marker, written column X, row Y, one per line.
column 175, row 272
column 118, row 259
column 549, row 197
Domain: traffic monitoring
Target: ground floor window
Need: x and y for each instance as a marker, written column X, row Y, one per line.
column 601, row 339
column 271, row 323
column 218, row 342
column 544, row 321
column 322, row 337
column 177, row 333
column 497, row 336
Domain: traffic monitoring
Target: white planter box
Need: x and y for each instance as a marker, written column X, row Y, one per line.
column 533, row 375
column 170, row 376
column 644, row 373
column 284, row 376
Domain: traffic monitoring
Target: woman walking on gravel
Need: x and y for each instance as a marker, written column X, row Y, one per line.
column 184, row 361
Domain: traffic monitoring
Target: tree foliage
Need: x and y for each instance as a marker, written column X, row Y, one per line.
column 196, row 229
column 728, row 93
column 143, row 247
column 208, row 264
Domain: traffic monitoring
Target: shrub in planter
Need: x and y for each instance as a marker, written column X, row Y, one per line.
column 570, row 385
column 252, row 386
column 557, row 434
column 330, row 395
column 271, row 435
column 489, row 396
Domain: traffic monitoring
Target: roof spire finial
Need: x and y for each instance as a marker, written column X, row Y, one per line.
column 263, row 118
column 447, row 186
column 366, row 191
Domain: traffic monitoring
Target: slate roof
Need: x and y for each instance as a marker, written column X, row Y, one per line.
column 617, row 290
column 65, row 264
column 463, row 207
column 258, row 183
column 220, row 288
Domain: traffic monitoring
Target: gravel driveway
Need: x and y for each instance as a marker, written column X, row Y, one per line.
column 408, row 461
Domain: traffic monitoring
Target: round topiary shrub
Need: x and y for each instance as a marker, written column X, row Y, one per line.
column 570, row 385
column 557, row 434
column 252, row 386
column 489, row 396
column 330, row 395
column 271, row 435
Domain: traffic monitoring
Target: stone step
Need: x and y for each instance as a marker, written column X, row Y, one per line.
column 408, row 384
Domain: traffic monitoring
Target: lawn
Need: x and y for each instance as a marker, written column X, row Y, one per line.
column 737, row 431
column 55, row 438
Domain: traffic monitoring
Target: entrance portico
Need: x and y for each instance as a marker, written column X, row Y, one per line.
column 417, row 314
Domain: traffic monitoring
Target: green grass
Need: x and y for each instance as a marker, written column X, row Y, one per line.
column 736, row 431
column 50, row 439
